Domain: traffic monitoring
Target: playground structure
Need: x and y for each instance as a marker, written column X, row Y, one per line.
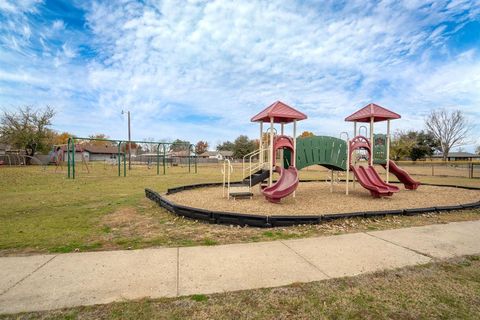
column 312, row 203
column 159, row 158
column 258, row 166
column 358, row 155
column 18, row 159
column 378, row 152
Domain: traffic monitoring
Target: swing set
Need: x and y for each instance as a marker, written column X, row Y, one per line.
column 161, row 158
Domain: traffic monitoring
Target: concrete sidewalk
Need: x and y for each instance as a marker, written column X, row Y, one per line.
column 55, row 281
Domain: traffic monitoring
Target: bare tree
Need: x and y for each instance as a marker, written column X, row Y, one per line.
column 27, row 129
column 450, row 128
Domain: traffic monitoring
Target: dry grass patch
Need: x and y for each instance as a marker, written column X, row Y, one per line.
column 128, row 222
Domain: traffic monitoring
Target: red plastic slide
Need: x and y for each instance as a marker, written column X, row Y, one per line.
column 285, row 185
column 403, row 176
column 375, row 178
column 369, row 179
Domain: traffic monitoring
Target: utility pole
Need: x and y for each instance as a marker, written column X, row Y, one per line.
column 129, row 142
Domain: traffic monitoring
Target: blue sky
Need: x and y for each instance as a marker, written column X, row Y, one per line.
column 200, row 69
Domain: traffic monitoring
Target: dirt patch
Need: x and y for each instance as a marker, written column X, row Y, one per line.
column 127, row 222
column 315, row 198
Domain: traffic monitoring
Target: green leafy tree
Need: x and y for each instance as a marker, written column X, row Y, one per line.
column 27, row 129
column 242, row 146
column 401, row 145
column 477, row 150
column 226, row 146
column 425, row 145
column 413, row 144
column 179, row 145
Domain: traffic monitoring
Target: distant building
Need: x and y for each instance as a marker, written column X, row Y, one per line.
column 93, row 153
column 180, row 154
column 219, row 155
column 458, row 156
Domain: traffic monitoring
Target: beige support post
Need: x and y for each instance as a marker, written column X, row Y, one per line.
column 348, row 167
column 271, row 153
column 294, row 162
column 281, row 152
column 331, row 181
column 260, row 145
column 371, row 141
column 388, row 151
column 354, row 129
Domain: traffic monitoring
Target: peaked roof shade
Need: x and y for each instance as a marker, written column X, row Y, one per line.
column 280, row 112
column 372, row 110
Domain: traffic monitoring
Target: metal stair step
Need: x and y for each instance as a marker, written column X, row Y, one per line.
column 240, row 189
column 241, row 194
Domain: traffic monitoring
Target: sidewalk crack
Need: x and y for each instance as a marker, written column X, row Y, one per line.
column 404, row 247
column 27, row 276
column 306, row 260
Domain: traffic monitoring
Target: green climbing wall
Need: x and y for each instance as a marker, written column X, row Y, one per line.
column 326, row 151
column 380, row 149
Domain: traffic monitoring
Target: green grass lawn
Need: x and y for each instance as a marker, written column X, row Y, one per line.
column 441, row 290
column 42, row 211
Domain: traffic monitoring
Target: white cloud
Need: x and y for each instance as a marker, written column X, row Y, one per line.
column 19, row 6
column 58, row 24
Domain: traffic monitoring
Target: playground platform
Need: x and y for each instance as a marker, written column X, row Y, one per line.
column 44, row 282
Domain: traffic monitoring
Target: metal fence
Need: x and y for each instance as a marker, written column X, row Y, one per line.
column 461, row 169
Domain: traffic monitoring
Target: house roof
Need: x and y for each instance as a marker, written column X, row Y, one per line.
column 280, row 112
column 208, row 154
column 101, row 149
column 94, row 149
column 180, row 153
column 374, row 111
column 226, row 153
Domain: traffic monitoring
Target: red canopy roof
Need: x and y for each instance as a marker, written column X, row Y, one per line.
column 372, row 110
column 280, row 112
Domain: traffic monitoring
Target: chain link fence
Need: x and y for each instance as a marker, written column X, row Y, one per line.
column 461, row 169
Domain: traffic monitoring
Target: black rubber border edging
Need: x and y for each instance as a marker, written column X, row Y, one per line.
column 264, row 221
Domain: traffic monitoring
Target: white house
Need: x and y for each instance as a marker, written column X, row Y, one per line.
column 93, row 153
column 219, row 155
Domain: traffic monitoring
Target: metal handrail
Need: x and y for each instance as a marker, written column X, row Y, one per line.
column 250, row 155
column 252, row 167
column 360, row 129
column 226, row 171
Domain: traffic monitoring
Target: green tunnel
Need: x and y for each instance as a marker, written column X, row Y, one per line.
column 330, row 152
column 325, row 151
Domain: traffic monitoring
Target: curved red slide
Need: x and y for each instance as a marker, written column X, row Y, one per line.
column 375, row 178
column 285, row 185
column 402, row 176
column 368, row 180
